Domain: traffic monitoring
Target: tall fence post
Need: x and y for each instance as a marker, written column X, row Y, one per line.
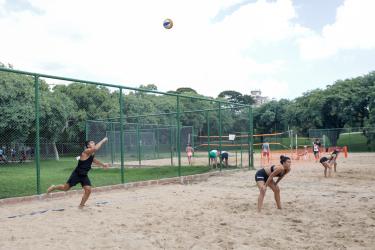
column 122, row 137
column 221, row 165
column 178, row 136
column 171, row 146
column 157, row 141
column 112, row 143
column 192, row 139
column 208, row 137
column 138, row 143
column 241, row 150
column 251, row 139
column 37, row 131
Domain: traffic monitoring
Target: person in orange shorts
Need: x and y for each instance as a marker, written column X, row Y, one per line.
column 189, row 152
column 266, row 150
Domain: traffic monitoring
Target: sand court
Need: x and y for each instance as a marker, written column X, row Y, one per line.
column 221, row 213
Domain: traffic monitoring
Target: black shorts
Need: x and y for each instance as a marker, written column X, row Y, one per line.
column 316, row 152
column 75, row 178
column 261, row 175
column 224, row 156
column 323, row 159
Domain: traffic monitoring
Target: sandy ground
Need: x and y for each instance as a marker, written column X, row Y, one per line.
column 318, row 213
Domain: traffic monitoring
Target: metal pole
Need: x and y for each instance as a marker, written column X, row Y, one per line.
column 122, row 137
column 178, row 136
column 251, row 139
column 170, row 143
column 157, row 142
column 241, row 151
column 37, row 139
column 192, row 139
column 349, row 142
column 154, row 137
column 138, row 144
column 208, row 137
column 112, row 144
column 220, row 136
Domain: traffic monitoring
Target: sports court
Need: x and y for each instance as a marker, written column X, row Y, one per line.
column 318, row 213
column 187, row 124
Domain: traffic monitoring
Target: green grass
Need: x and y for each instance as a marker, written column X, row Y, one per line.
column 20, row 179
column 356, row 142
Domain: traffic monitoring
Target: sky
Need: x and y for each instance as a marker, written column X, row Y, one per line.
column 281, row 47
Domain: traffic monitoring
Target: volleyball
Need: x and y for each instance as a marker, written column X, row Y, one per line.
column 168, row 23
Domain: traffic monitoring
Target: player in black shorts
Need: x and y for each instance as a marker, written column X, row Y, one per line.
column 329, row 161
column 224, row 157
column 264, row 178
column 79, row 174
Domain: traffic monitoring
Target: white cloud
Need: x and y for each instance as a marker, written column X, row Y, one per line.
column 353, row 29
column 124, row 41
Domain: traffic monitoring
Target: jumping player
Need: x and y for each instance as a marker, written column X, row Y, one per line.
column 264, row 178
column 79, row 174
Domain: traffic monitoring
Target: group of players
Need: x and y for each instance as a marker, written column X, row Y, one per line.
column 263, row 177
column 213, row 154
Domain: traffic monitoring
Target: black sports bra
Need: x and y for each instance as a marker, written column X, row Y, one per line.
column 280, row 174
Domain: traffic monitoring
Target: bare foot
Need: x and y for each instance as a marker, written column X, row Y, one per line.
column 50, row 189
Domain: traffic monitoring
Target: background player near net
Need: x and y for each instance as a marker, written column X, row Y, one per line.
column 224, row 155
column 316, row 149
column 266, row 151
column 189, row 152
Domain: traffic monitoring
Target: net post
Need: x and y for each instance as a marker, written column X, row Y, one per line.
column 37, row 132
column 178, row 135
column 122, row 137
column 208, row 137
column 241, row 151
column 157, row 141
column 138, row 143
column 112, row 143
column 221, row 165
column 192, row 139
column 251, row 139
column 170, row 143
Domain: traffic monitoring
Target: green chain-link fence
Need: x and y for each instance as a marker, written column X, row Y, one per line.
column 356, row 139
column 46, row 119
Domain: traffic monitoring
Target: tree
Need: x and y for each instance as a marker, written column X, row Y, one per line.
column 92, row 102
column 186, row 90
column 236, row 97
column 57, row 109
column 149, row 87
column 17, row 108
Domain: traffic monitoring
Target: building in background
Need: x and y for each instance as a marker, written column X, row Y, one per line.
column 258, row 98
